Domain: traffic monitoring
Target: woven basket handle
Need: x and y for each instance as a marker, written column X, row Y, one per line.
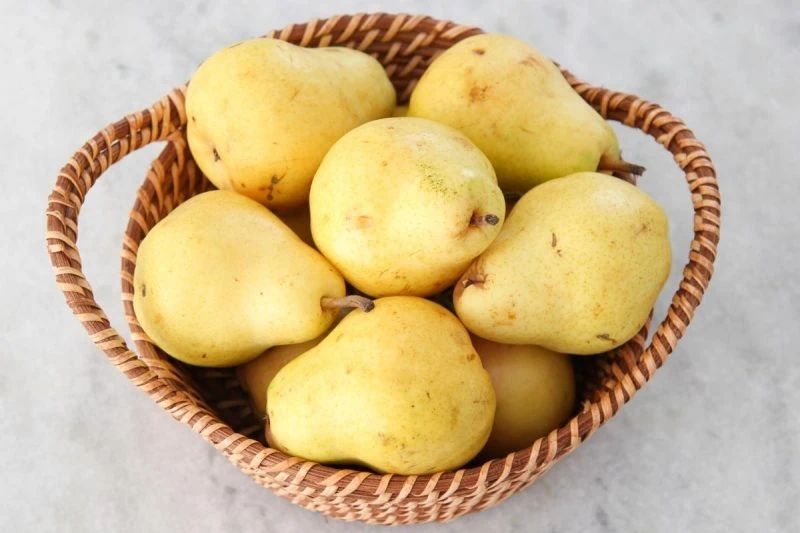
column 84, row 168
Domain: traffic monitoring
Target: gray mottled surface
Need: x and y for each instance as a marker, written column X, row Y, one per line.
column 710, row 445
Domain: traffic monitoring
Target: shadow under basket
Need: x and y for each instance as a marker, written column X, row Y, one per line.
column 210, row 400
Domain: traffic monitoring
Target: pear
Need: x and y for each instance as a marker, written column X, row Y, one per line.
column 256, row 375
column 535, row 391
column 401, row 206
column 576, row 269
column 221, row 279
column 516, row 106
column 399, row 389
column 400, row 111
column 299, row 221
column 262, row 113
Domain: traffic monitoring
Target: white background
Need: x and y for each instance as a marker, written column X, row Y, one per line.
column 710, row 445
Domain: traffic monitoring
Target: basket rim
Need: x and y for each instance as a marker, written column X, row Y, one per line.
column 411, row 40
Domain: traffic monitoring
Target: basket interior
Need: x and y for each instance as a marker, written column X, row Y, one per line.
column 174, row 178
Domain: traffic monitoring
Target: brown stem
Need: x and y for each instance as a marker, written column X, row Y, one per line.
column 346, row 302
column 619, row 165
column 475, row 279
column 483, row 220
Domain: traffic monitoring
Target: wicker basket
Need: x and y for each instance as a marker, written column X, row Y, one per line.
column 210, row 401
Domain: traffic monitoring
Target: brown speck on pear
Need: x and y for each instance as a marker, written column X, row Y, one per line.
column 478, row 93
column 606, row 337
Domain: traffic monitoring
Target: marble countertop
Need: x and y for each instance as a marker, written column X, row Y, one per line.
column 709, row 445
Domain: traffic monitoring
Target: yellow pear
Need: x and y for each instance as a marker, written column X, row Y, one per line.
column 576, row 269
column 401, row 206
column 221, row 279
column 256, row 375
column 535, row 391
column 516, row 106
column 262, row 113
column 299, row 221
column 400, row 111
column 399, row 389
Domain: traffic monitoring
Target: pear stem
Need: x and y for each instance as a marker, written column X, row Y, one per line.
column 346, row 302
column 475, row 279
column 483, row 220
column 619, row 165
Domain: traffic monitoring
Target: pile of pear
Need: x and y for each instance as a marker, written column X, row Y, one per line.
column 361, row 265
